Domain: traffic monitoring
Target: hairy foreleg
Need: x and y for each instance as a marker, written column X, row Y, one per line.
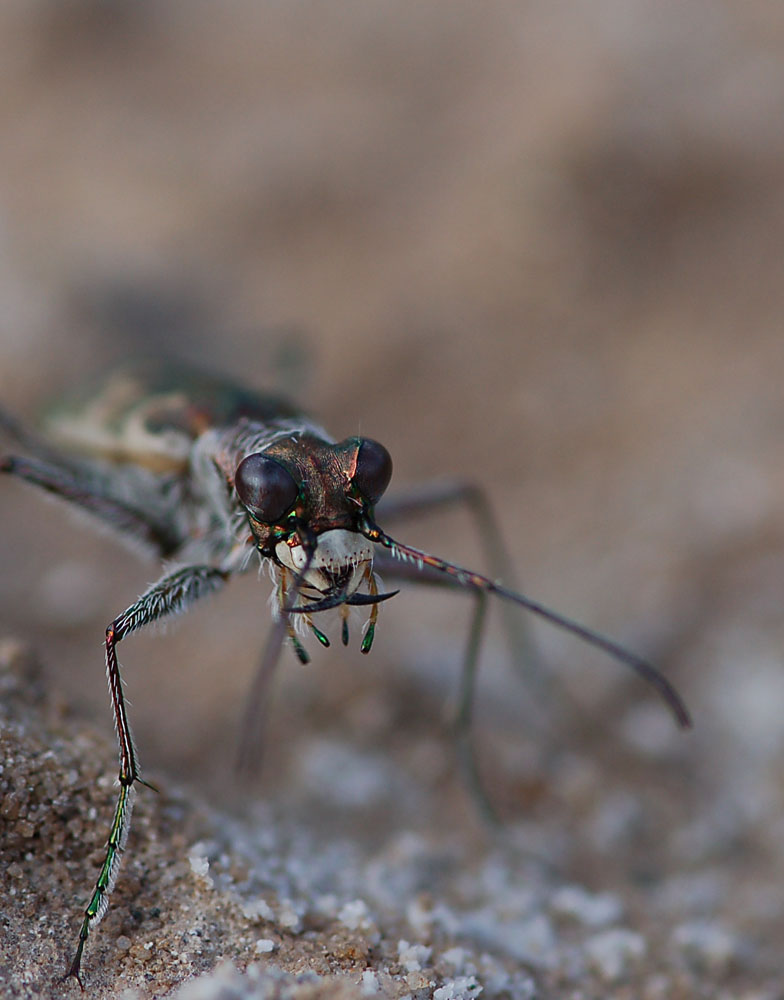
column 175, row 592
column 458, row 493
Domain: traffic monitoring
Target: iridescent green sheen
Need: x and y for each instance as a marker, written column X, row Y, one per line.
column 367, row 640
column 299, row 649
column 319, row 635
column 204, row 473
column 99, row 900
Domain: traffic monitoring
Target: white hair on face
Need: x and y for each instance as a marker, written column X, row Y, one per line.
column 336, row 550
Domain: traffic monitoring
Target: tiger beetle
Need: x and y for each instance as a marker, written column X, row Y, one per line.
column 204, row 472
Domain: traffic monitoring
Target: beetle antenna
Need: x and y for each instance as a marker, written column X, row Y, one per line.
column 475, row 581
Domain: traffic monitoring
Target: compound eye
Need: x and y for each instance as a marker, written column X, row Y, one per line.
column 374, row 470
column 265, row 487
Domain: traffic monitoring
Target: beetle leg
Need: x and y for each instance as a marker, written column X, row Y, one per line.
column 90, row 494
column 463, row 714
column 31, row 441
column 252, row 727
column 435, row 495
column 173, row 593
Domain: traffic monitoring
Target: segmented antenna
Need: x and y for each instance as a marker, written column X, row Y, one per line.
column 475, row 581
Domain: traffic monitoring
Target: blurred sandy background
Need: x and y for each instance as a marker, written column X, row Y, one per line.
column 538, row 245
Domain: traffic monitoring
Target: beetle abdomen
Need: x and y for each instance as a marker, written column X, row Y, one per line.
column 150, row 413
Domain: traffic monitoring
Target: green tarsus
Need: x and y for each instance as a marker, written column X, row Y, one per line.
column 96, row 906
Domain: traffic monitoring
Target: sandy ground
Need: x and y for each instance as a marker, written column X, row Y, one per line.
column 537, row 246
